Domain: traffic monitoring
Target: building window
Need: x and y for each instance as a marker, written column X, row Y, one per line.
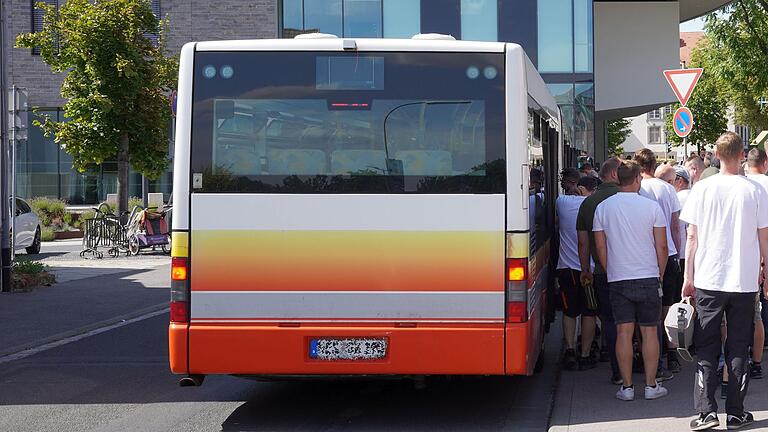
column 668, row 110
column 479, row 20
column 582, row 34
column 654, row 115
column 37, row 18
column 402, row 18
column 343, row 18
column 555, row 31
column 654, row 135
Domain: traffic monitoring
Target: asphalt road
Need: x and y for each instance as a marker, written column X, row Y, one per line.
column 119, row 381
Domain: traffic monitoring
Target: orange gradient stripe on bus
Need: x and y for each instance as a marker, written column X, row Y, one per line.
column 252, row 260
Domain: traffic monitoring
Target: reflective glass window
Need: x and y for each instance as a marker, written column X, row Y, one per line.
column 563, row 93
column 323, row 16
column 584, row 117
column 434, row 125
column 582, row 32
column 362, row 18
column 402, row 18
column 479, row 20
column 555, row 31
column 293, row 17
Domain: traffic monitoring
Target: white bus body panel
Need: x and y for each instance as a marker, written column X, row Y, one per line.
column 183, row 139
column 392, row 45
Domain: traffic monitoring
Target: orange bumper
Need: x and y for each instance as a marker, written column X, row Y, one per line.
column 271, row 349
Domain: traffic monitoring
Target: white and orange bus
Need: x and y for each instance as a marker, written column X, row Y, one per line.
column 361, row 206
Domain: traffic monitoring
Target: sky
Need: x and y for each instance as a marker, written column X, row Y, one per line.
column 692, row 25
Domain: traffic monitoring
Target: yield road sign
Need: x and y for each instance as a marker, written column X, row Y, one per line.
column 683, row 81
column 682, row 122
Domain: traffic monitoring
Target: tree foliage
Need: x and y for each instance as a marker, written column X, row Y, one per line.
column 115, row 86
column 618, row 131
column 708, row 103
column 739, row 40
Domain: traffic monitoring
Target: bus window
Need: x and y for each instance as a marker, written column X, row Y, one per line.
column 325, row 124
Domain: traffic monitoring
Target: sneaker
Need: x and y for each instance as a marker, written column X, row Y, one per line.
column 705, row 421
column 672, row 363
column 586, row 363
column 756, row 371
column 663, row 375
column 655, row 392
column 569, row 360
column 724, row 390
column 626, row 393
column 617, row 379
column 735, row 422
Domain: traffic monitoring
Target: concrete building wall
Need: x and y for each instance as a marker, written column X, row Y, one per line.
column 189, row 20
column 27, row 70
column 634, row 43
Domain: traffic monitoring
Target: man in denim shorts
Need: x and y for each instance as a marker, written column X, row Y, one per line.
column 631, row 239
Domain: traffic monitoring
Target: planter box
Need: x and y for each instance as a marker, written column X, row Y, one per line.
column 64, row 235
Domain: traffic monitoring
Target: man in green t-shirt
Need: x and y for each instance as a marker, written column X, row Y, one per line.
column 588, row 254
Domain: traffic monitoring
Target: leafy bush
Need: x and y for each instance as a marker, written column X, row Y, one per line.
column 52, row 212
column 46, row 234
column 132, row 202
column 79, row 223
column 28, row 267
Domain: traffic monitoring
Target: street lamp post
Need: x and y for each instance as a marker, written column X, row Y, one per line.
column 5, row 238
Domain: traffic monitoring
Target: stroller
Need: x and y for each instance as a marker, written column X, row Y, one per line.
column 148, row 228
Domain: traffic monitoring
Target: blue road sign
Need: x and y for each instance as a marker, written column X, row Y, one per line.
column 682, row 122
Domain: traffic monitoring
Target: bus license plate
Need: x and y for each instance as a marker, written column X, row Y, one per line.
column 348, row 348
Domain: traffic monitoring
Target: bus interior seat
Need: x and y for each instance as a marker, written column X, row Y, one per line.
column 426, row 162
column 296, row 161
column 355, row 161
column 238, row 160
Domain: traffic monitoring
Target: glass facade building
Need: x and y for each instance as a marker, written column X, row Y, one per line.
column 556, row 34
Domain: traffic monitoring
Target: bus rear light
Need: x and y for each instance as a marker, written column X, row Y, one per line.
column 179, row 269
column 179, row 290
column 179, row 311
column 517, row 290
column 517, row 269
column 517, row 312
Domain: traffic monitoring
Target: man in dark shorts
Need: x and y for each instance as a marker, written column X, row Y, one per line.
column 631, row 241
column 587, row 252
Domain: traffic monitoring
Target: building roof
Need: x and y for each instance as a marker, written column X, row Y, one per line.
column 688, row 41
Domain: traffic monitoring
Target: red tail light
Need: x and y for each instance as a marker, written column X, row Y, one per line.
column 517, row 290
column 179, row 290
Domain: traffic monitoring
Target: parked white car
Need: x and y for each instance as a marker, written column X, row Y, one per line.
column 27, row 226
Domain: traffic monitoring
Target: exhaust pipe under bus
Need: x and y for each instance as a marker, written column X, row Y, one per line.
column 192, row 381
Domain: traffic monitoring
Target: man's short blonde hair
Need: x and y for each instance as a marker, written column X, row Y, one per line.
column 729, row 146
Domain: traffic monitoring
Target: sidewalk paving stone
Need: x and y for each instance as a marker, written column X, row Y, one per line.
column 585, row 401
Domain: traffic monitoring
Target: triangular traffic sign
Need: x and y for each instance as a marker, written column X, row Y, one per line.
column 683, row 81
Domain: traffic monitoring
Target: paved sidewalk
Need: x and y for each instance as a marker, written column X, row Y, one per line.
column 47, row 314
column 585, row 401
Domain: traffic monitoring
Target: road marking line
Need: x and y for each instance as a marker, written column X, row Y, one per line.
column 45, row 347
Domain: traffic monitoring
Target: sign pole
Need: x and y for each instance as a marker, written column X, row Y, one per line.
column 685, row 143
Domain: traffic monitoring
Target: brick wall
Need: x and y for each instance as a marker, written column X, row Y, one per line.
column 189, row 20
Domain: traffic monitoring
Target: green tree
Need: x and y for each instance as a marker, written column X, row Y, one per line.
column 739, row 38
column 708, row 102
column 618, row 131
column 115, row 87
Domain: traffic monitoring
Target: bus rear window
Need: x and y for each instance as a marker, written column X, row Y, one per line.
column 301, row 122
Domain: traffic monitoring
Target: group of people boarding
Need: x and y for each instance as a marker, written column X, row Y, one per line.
column 641, row 238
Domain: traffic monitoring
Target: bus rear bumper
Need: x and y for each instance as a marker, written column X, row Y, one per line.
column 274, row 350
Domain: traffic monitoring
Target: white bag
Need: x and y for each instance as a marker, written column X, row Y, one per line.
column 679, row 326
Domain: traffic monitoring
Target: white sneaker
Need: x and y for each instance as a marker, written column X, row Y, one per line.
column 625, row 393
column 655, row 392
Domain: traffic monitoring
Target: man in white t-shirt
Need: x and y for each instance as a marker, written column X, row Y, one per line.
column 664, row 194
column 569, row 270
column 757, row 166
column 631, row 238
column 682, row 185
column 727, row 217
